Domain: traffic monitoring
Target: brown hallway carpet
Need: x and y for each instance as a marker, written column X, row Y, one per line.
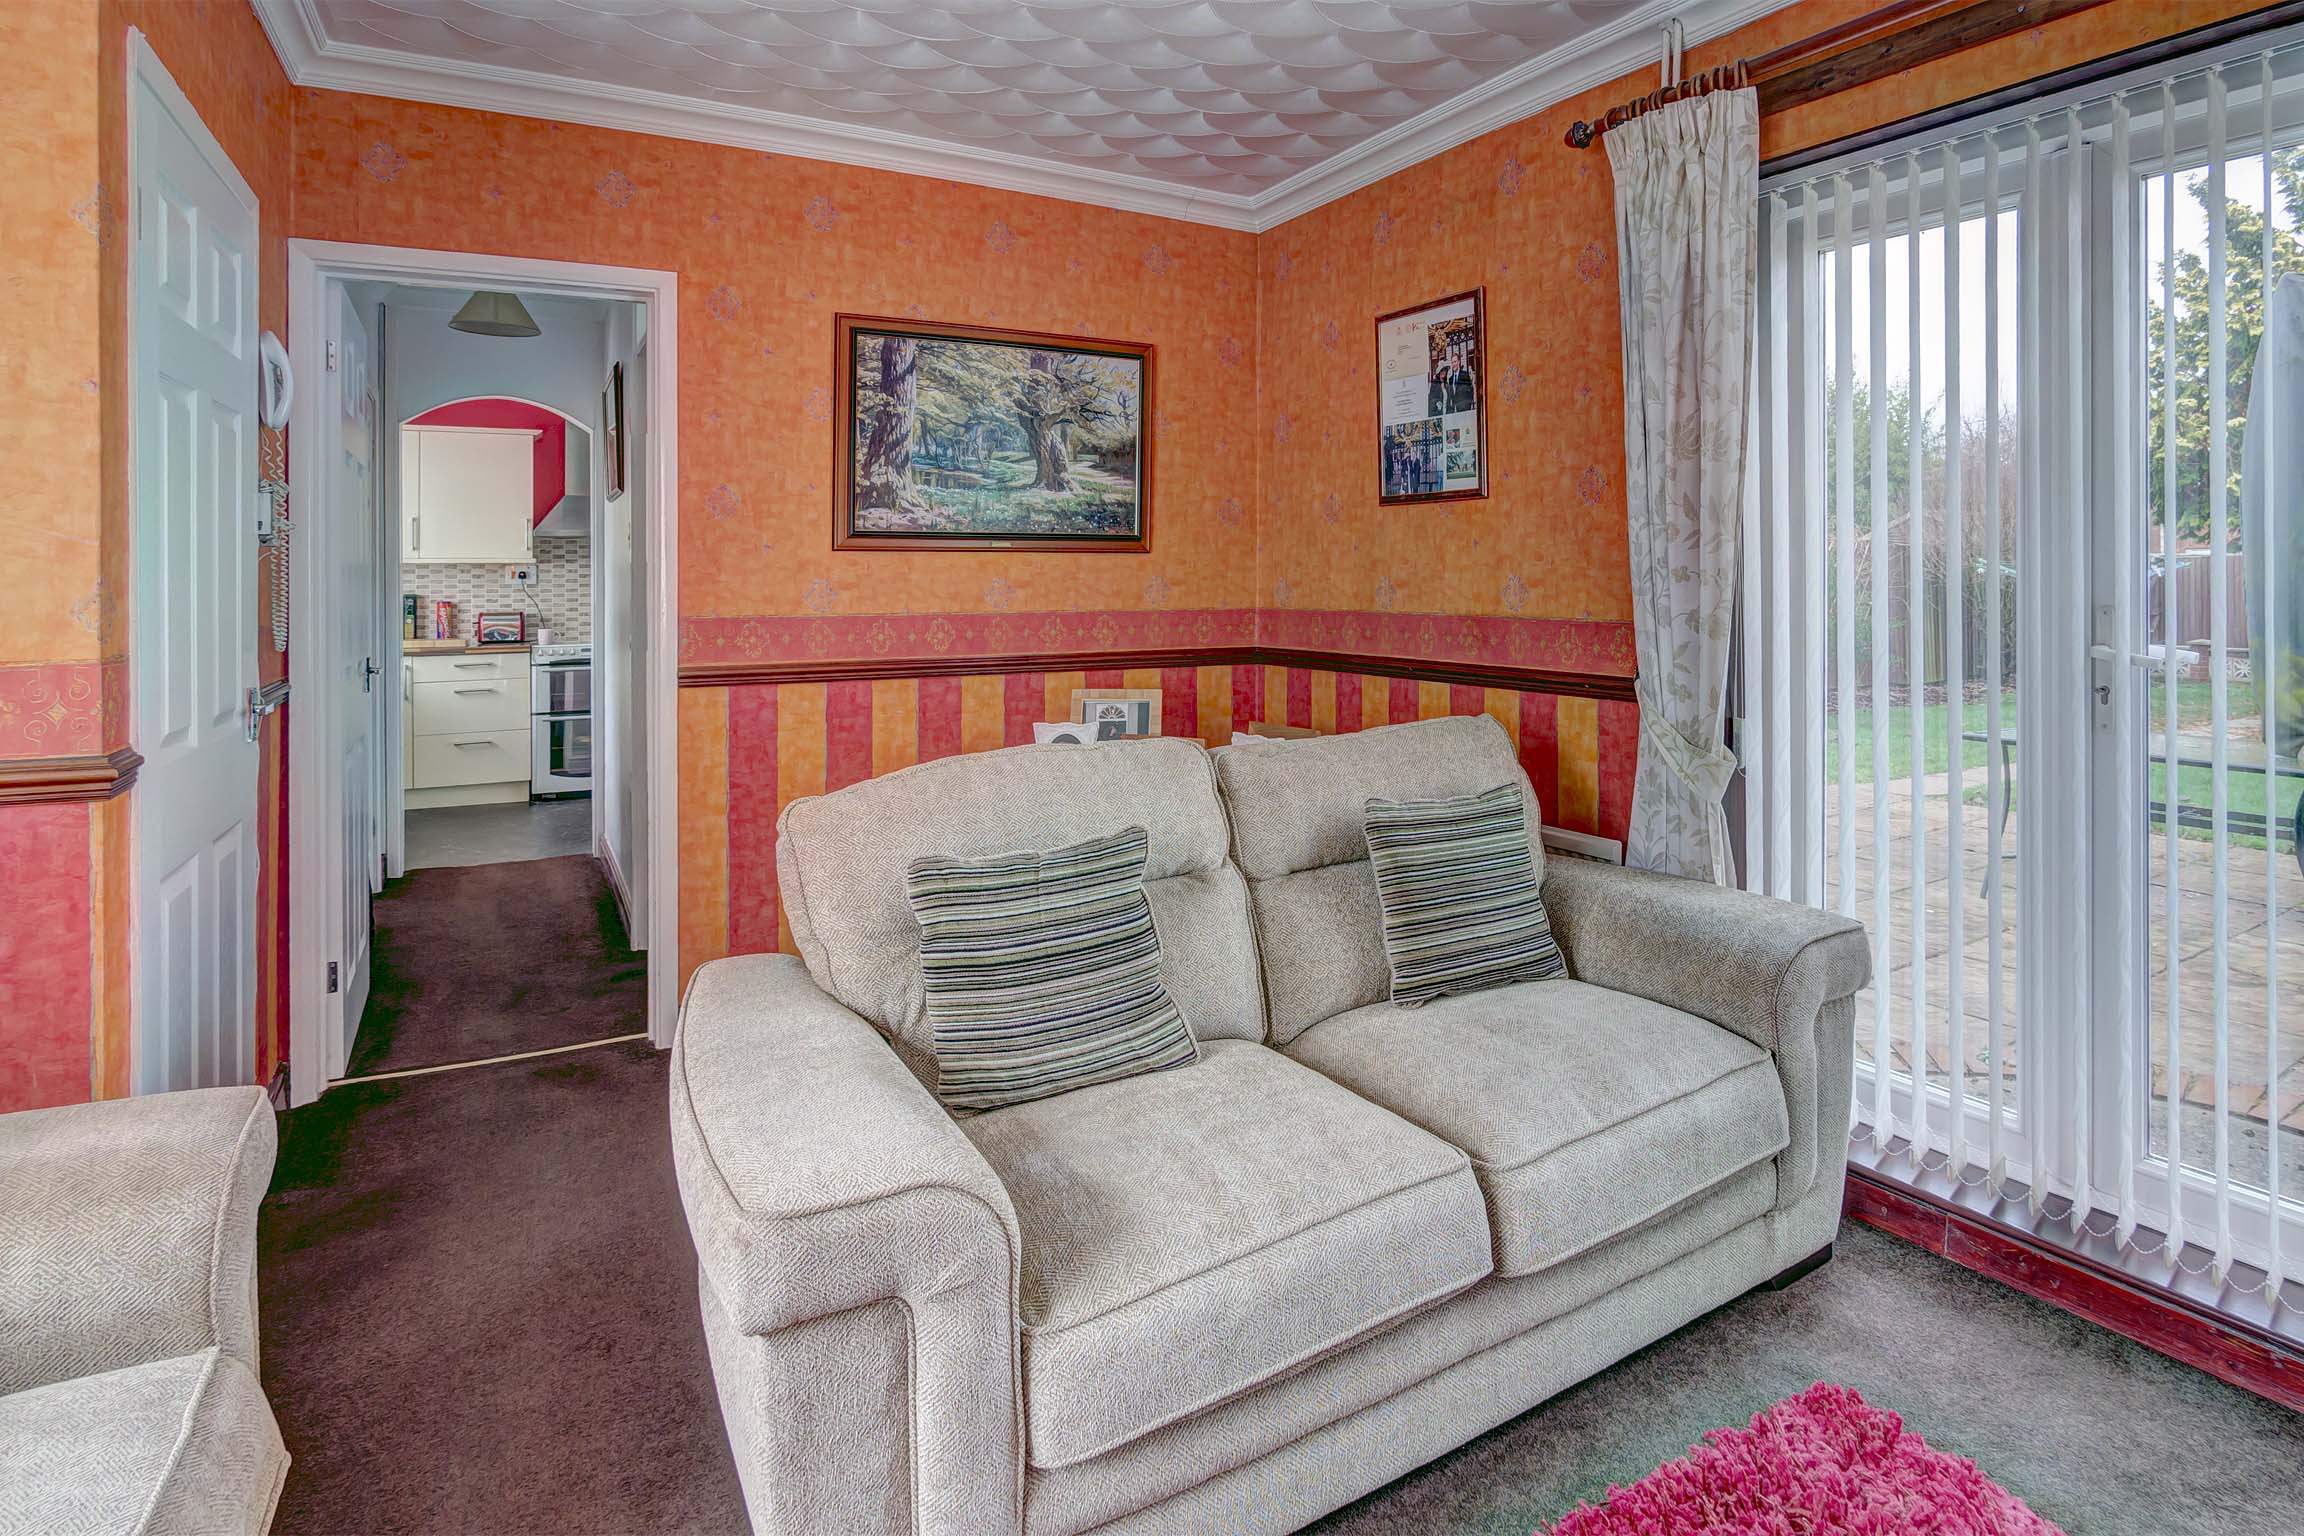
column 479, row 1308
column 493, row 959
column 479, row 1317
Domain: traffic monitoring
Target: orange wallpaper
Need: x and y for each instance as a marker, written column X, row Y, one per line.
column 1532, row 221
column 768, row 249
column 61, row 220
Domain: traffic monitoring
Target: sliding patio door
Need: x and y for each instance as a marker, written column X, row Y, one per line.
column 2022, row 659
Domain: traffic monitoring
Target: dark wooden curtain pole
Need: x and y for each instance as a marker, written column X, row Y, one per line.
column 1869, row 47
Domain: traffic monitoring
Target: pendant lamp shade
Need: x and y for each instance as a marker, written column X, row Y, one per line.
column 495, row 314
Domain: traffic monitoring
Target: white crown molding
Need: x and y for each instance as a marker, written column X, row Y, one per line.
column 1605, row 53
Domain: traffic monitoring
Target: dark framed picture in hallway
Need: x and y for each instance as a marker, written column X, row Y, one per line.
column 1432, row 401
column 970, row 437
column 612, row 425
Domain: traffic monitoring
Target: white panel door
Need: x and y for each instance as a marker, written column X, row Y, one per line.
column 350, row 548
column 632, row 755
column 194, row 408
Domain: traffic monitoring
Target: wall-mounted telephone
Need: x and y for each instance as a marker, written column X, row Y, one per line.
column 275, row 394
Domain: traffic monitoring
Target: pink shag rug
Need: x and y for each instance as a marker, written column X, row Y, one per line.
column 1824, row 1463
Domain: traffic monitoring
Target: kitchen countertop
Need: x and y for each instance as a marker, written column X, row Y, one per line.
column 457, row 648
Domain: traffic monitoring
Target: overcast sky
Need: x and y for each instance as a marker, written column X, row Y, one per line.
column 2244, row 183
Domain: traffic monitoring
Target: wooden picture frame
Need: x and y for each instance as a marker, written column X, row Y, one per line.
column 1424, row 413
column 990, row 488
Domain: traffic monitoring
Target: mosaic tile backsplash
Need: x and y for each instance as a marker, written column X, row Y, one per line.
column 561, row 599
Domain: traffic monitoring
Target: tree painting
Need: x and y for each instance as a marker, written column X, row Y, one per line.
column 959, row 436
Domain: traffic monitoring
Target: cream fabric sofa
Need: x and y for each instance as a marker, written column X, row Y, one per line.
column 1232, row 1296
column 129, row 1399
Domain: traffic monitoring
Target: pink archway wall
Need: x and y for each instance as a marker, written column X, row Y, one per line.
column 551, row 446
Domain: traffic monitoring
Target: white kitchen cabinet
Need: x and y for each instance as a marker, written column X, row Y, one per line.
column 467, row 495
column 467, row 733
column 466, row 758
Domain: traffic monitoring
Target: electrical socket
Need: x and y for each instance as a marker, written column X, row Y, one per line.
column 520, row 575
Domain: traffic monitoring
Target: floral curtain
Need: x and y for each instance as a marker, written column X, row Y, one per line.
column 1687, row 197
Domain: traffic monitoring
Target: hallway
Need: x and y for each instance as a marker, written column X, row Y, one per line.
column 487, row 960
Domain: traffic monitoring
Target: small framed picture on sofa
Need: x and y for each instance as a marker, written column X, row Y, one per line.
column 1118, row 711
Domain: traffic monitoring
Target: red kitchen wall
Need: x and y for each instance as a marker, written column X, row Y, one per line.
column 551, row 444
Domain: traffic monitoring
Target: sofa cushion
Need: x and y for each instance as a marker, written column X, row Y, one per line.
column 1188, row 1235
column 1299, row 835
column 1463, row 911
column 1042, row 972
column 178, row 1445
column 1585, row 1112
column 841, row 858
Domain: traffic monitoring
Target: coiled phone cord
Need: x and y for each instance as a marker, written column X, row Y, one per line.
column 272, row 453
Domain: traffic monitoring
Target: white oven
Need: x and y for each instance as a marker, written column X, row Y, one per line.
column 560, row 732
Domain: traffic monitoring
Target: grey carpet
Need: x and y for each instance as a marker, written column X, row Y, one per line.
column 491, row 959
column 479, row 1316
column 498, row 834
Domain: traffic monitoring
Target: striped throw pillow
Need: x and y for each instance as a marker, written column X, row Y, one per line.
column 1463, row 910
column 1042, row 972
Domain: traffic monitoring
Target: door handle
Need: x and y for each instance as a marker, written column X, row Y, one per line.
column 368, row 671
column 263, row 701
column 2150, row 659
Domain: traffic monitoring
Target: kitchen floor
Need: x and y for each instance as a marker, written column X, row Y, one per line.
column 457, row 835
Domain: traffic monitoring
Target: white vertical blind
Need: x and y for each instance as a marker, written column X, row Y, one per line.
column 2269, row 695
column 1883, row 931
column 2172, row 600
column 2219, row 466
column 1956, row 690
column 1995, row 775
column 2004, row 701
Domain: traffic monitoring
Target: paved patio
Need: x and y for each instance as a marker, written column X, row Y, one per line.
column 2257, row 932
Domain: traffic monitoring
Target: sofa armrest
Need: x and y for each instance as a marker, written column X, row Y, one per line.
column 859, row 1265
column 128, row 1232
column 1764, row 968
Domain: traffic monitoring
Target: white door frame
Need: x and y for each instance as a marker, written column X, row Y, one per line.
column 312, row 812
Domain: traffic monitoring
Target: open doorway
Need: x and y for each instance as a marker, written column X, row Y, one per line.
column 489, row 680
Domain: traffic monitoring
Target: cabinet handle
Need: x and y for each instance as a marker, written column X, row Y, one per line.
column 415, row 535
column 495, row 688
column 472, row 743
column 466, row 666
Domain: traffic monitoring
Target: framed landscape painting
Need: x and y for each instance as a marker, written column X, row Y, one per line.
column 967, row 437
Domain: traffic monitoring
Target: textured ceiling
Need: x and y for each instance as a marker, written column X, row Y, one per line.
column 1223, row 96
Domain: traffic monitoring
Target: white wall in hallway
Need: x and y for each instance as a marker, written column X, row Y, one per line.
column 619, row 654
column 427, row 364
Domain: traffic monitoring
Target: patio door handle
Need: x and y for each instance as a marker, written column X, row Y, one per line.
column 2150, row 659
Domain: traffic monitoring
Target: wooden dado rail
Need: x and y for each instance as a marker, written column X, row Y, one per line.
column 82, row 776
column 100, row 776
column 1582, row 685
